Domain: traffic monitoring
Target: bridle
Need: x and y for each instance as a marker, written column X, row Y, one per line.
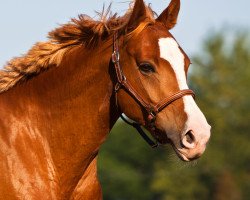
column 151, row 109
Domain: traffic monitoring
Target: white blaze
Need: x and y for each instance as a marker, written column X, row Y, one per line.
column 170, row 51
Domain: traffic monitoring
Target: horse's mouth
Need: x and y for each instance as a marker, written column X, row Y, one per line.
column 180, row 154
column 162, row 139
column 183, row 156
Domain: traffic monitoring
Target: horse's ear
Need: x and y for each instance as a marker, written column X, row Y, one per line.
column 169, row 16
column 139, row 14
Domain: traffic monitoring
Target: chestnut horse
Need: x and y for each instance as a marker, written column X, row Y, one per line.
column 60, row 100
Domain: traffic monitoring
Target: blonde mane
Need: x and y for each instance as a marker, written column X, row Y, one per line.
column 44, row 55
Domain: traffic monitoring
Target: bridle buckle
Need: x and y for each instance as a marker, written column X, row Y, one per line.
column 152, row 115
column 117, row 87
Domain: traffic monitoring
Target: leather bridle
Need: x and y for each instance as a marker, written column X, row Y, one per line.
column 151, row 109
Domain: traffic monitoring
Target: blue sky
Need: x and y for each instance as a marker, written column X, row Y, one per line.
column 24, row 22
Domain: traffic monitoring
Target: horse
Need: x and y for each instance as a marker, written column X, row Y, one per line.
column 59, row 101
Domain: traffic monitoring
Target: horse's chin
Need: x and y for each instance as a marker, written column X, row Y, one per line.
column 180, row 154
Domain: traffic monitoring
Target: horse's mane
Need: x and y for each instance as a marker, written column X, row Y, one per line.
column 83, row 30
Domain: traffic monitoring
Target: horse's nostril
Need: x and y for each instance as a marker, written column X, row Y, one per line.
column 188, row 141
column 190, row 137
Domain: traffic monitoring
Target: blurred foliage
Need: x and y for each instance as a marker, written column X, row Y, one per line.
column 130, row 170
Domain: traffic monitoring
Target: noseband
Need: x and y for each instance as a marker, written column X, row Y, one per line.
column 151, row 109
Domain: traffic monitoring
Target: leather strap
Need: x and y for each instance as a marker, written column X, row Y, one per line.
column 161, row 105
column 122, row 80
column 141, row 132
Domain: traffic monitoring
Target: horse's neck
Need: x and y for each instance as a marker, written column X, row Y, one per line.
column 69, row 109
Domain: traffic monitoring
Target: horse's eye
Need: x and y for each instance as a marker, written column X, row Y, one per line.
column 146, row 68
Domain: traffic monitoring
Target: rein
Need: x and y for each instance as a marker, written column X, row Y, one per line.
column 151, row 109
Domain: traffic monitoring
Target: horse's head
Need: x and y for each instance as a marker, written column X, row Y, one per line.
column 156, row 67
